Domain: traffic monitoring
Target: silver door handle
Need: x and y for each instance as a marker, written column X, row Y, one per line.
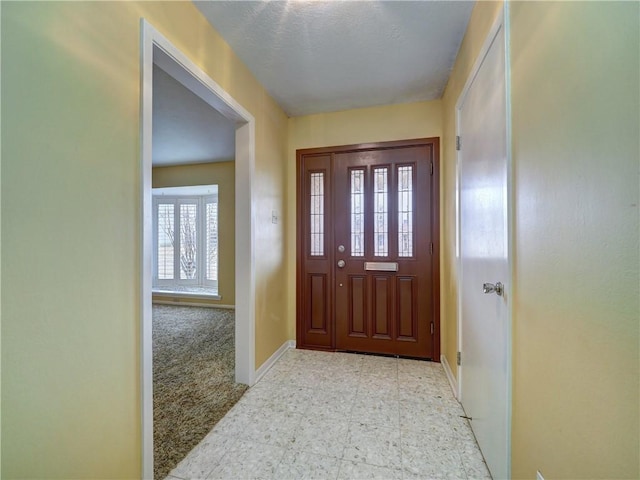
column 341, row 263
column 498, row 288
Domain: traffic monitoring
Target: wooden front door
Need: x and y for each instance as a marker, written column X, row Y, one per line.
column 367, row 248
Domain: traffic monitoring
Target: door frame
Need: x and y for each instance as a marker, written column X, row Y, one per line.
column 435, row 229
column 501, row 21
column 157, row 49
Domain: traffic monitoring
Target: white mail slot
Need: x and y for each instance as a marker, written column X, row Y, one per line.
column 381, row 266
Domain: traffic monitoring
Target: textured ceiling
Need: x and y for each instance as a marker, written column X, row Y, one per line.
column 186, row 129
column 321, row 56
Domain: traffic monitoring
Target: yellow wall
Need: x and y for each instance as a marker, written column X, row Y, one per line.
column 0, row 264
column 575, row 106
column 376, row 124
column 71, row 223
column 70, row 227
column 223, row 175
column 576, row 102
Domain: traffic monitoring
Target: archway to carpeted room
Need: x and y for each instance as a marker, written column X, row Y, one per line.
column 191, row 360
column 193, row 287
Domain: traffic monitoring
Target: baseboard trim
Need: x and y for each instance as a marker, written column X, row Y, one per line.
column 193, row 295
column 193, row 304
column 264, row 368
column 450, row 377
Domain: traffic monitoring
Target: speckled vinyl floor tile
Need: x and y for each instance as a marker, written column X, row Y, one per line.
column 319, row 415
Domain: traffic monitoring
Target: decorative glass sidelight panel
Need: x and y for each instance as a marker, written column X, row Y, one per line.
column 357, row 213
column 188, row 241
column 317, row 214
column 380, row 212
column 405, row 211
column 165, row 240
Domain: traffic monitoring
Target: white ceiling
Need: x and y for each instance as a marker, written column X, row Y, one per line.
column 321, row 56
column 186, row 129
column 313, row 56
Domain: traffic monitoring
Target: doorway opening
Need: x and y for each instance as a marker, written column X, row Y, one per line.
column 157, row 50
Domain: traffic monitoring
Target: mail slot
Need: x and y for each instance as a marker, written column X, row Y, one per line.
column 381, row 266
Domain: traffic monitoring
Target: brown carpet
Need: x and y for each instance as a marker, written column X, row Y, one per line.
column 193, row 378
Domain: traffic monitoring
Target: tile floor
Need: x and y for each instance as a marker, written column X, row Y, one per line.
column 341, row 416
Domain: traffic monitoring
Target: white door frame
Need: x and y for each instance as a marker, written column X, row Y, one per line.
column 502, row 21
column 156, row 49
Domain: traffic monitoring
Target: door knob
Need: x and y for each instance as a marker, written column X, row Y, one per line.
column 341, row 263
column 498, row 288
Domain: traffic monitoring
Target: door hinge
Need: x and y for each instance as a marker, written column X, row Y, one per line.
column 431, row 168
column 431, row 328
column 458, row 143
column 459, row 358
column 431, row 248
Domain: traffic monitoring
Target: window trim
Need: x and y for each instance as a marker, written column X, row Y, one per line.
column 164, row 196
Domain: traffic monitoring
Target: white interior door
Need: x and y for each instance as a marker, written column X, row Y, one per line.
column 484, row 254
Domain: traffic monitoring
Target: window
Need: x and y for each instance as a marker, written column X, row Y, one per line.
column 317, row 214
column 357, row 213
column 186, row 239
column 380, row 213
column 405, row 211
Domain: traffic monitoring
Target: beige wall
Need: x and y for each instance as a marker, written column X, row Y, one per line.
column 575, row 107
column 576, row 101
column 71, row 223
column 223, row 175
column 376, row 124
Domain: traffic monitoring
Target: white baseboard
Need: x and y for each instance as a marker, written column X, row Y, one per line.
column 184, row 295
column 264, row 368
column 193, row 304
column 452, row 380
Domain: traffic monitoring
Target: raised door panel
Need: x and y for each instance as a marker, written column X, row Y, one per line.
column 407, row 314
column 382, row 303
column 318, row 298
column 358, row 306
